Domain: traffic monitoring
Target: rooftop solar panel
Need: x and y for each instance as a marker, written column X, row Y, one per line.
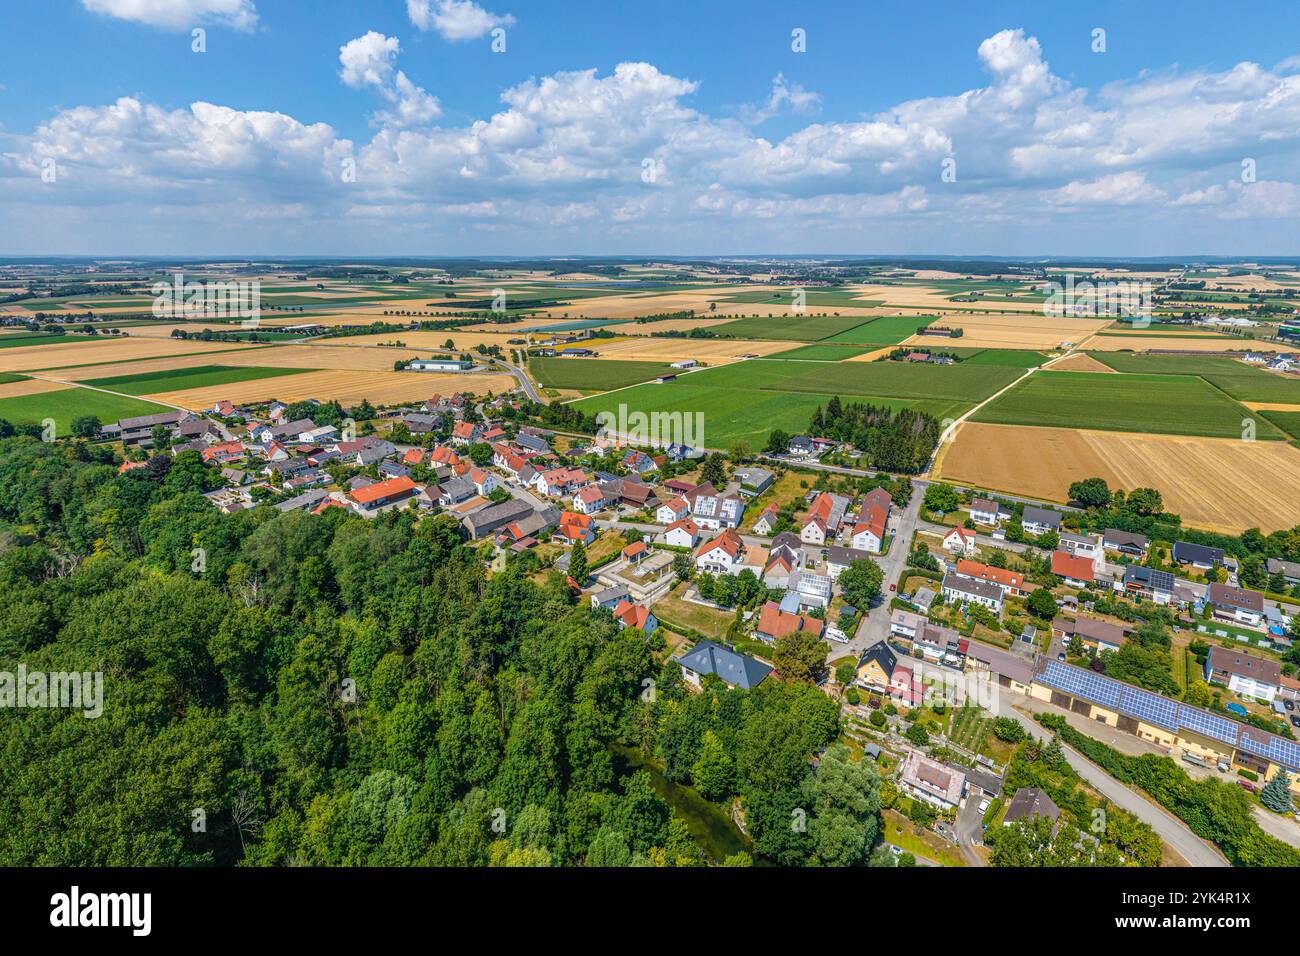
column 1202, row 722
column 1150, row 707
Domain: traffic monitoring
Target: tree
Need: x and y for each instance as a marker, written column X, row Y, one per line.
column 738, row 452
column 578, row 569
column 917, row 735
column 1042, row 604
column 683, row 567
column 844, row 797
column 844, row 673
column 481, row 454
column 1144, row 502
column 860, row 583
column 1008, row 730
column 778, row 442
column 714, row 773
column 800, row 656
column 713, row 471
column 87, row 426
column 941, row 497
column 1090, row 492
column 1276, row 794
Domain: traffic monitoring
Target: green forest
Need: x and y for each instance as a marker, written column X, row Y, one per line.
column 285, row 689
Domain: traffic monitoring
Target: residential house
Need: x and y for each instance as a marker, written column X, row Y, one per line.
column 972, row 591
column 735, row 670
column 936, row 643
column 1095, row 635
column 1081, row 545
column 1125, row 542
column 456, row 490
column 868, row 532
column 1146, row 583
column 773, row 623
column 1290, row 570
column 561, row 482
column 639, row 462
column 724, row 554
column 1197, row 555
column 609, row 598
column 766, row 523
column 465, row 433
column 1237, row 605
column 824, row 518
column 573, row 528
column 1011, row 582
column 714, row 511
column 987, row 511
column 1077, row 572
column 814, row 590
column 627, row 614
column 484, row 481
column 936, row 784
column 837, row 559
column 960, row 541
column 1036, row 520
column 480, row 524
column 684, row 533
column 382, row 494
column 589, row 500
column 1242, row 673
column 801, row 446
column 1029, row 804
column 672, row 510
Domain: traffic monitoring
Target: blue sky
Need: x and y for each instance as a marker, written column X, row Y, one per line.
column 673, row 128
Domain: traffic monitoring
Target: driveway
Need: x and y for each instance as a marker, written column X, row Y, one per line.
column 970, row 830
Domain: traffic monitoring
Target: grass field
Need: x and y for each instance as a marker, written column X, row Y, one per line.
column 889, row 330
column 170, row 380
column 823, row 353
column 1242, row 382
column 67, row 404
column 1007, row 358
column 795, row 328
column 1289, row 422
column 17, row 341
column 1165, row 404
column 594, row 374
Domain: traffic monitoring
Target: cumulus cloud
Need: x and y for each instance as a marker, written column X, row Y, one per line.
column 369, row 61
column 178, row 14
column 455, row 19
column 564, row 155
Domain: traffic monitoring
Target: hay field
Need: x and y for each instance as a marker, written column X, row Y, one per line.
column 347, row 386
column 710, row 351
column 31, row 386
column 1143, row 343
column 872, row 356
column 1219, row 484
column 1080, row 362
column 1036, row 331
column 432, row 341
column 102, row 349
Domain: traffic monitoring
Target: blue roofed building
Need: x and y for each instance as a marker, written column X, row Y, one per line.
column 736, row 670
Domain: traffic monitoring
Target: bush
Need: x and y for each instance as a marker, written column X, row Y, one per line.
column 877, row 719
column 1008, row 730
column 853, row 697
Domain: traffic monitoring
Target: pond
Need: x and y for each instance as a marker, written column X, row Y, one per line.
column 710, row 825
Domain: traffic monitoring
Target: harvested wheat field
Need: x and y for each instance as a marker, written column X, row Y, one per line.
column 709, row 351
column 31, row 386
column 1218, row 484
column 1144, row 343
column 344, row 386
column 940, row 300
column 100, row 349
column 1012, row 331
column 1079, row 362
column 1271, row 407
column 427, row 342
column 873, row 355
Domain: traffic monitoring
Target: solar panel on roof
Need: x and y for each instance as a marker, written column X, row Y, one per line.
column 1084, row 683
column 1285, row 752
column 1150, row 707
column 1208, row 724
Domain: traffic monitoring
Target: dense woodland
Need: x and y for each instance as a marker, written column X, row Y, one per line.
column 339, row 691
column 899, row 441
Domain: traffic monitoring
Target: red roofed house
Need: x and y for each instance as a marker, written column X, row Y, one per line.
column 1011, row 582
column 382, row 493
column 960, row 541
column 773, row 623
column 724, row 554
column 465, row 433
column 575, row 527
column 589, row 500
column 223, row 452
column 682, row 534
column 414, row 456
column 628, row 614
column 1076, row 571
column 484, row 481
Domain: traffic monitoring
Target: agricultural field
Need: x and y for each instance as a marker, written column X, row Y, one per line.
column 808, row 328
column 887, row 330
column 1166, row 404
column 347, row 386
column 146, row 383
column 1041, row 332
column 65, row 404
column 824, row 353
column 709, row 351
column 1188, row 471
column 1289, row 422
column 87, row 350
column 593, row 375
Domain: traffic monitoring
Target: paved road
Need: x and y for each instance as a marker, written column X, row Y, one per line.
column 874, row 626
column 524, row 381
column 1168, row 827
column 970, row 830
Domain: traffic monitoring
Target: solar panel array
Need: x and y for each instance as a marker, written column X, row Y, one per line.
column 1170, row 714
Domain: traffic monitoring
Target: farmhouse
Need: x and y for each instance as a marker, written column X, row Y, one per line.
column 824, row 518
column 1243, row 673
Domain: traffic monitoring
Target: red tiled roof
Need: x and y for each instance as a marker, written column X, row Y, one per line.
column 382, row 489
column 974, row 569
column 1070, row 566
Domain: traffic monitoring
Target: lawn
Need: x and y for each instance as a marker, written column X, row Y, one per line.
column 66, row 404
column 594, row 374
column 675, row 611
column 1167, row 404
column 199, row 376
column 889, row 330
column 902, row 832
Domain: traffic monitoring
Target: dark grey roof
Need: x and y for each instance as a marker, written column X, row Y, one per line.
column 738, row 670
column 838, row 555
column 1149, row 577
column 1033, row 515
column 1030, row 802
column 1185, row 551
column 304, row 500
column 984, row 589
column 1117, row 537
column 489, row 519
column 882, row 654
column 1290, row 569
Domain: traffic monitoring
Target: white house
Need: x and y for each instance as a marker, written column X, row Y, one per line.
column 724, row 554
column 673, row 510
column 963, row 590
column 682, row 534
column 960, row 541
column 589, row 500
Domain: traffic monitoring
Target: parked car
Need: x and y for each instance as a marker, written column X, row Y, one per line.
column 1247, row 785
column 1288, row 704
column 893, row 587
column 984, row 805
column 1295, row 720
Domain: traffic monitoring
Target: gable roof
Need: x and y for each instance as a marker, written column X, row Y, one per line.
column 382, row 489
column 1072, row 566
column 740, row 670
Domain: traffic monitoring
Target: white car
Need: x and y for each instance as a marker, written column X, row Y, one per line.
column 984, row 805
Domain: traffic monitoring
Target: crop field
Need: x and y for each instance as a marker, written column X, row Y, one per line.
column 12, row 386
column 1241, row 381
column 644, row 348
column 86, row 350
column 170, row 380
column 347, row 386
column 593, row 374
column 69, row 403
column 19, row 341
column 1189, row 472
column 1007, row 358
column 1041, row 332
column 1167, row 404
column 824, row 353
column 961, row 383
column 795, row 328
column 1219, row 343
column 886, row 330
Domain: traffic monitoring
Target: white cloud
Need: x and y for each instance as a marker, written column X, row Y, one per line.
column 1118, row 189
column 179, row 14
column 455, row 19
column 370, row 61
column 784, row 94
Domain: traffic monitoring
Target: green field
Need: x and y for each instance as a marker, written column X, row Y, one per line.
column 1006, row 358
column 822, row 353
column 889, row 330
column 8, row 341
column 7, row 377
column 1241, row 381
column 67, row 404
column 795, row 328
column 813, row 298
column 1289, row 422
column 200, row 376
column 594, row 375
column 1168, row 404
column 963, row 383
